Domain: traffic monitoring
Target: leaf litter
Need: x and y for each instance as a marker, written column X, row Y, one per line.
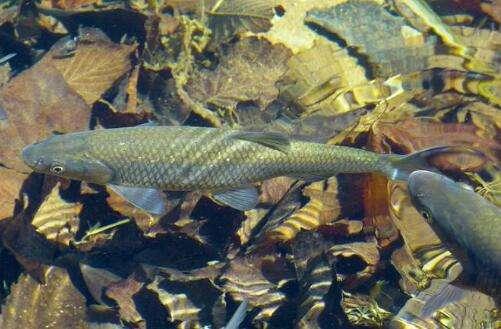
column 331, row 253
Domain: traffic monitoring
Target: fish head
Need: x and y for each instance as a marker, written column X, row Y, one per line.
column 428, row 191
column 67, row 156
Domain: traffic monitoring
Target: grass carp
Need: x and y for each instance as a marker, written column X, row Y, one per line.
column 219, row 161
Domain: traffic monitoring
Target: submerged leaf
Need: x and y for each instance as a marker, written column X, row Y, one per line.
column 94, row 66
column 289, row 29
column 55, row 304
column 323, row 208
column 473, row 310
column 122, row 292
column 9, row 190
column 246, row 74
column 229, row 17
column 362, row 310
column 391, row 46
column 57, row 219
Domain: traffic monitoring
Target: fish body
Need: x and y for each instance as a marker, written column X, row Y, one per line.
column 213, row 160
column 189, row 158
column 460, row 215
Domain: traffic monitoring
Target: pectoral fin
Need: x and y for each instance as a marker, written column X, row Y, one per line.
column 148, row 199
column 274, row 140
column 241, row 199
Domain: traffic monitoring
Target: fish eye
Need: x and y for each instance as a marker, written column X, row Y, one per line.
column 426, row 215
column 57, row 169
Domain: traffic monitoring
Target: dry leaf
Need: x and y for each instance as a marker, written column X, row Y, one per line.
column 57, row 219
column 95, row 65
column 229, row 17
column 289, row 29
column 246, row 74
column 55, row 304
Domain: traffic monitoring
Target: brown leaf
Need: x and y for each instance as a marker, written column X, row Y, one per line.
column 244, row 280
column 467, row 311
column 37, row 102
column 96, row 64
column 366, row 251
column 9, row 190
column 377, row 214
column 323, row 208
column 290, row 29
column 122, row 293
column 363, row 311
column 272, row 190
column 246, row 74
column 55, row 304
column 415, row 134
column 317, row 76
column 229, row 17
column 57, row 219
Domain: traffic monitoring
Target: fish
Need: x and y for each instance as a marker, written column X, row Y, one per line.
column 221, row 162
column 459, row 214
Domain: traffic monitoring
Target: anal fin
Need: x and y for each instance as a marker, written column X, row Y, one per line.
column 241, row 199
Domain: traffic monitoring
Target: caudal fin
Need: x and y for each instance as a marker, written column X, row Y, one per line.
column 399, row 167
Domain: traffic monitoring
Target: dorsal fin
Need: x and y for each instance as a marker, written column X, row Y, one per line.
column 274, row 140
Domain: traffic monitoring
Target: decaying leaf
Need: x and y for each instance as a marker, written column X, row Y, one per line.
column 316, row 285
column 272, row 190
column 97, row 280
column 187, row 296
column 289, row 29
column 246, row 74
column 245, row 280
column 54, row 304
column 367, row 252
column 229, row 17
column 362, row 310
column 41, row 93
column 94, row 66
column 377, row 214
column 9, row 190
column 417, row 133
column 317, row 78
column 323, row 208
column 483, row 116
column 252, row 219
column 472, row 309
column 413, row 279
column 57, row 219
column 492, row 9
column 392, row 46
column 122, row 293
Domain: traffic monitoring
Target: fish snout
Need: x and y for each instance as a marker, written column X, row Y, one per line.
column 32, row 157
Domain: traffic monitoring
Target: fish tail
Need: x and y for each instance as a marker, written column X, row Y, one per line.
column 399, row 167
